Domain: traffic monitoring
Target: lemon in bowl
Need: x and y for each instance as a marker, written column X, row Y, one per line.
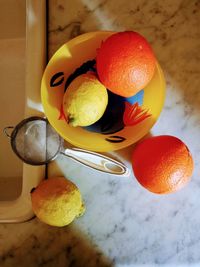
column 85, row 100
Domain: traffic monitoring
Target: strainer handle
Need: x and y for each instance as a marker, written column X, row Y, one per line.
column 6, row 129
column 97, row 161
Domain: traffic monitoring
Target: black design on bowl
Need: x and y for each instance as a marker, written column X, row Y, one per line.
column 115, row 139
column 85, row 67
column 57, row 79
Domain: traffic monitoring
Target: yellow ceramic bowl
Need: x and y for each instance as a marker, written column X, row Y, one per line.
column 63, row 63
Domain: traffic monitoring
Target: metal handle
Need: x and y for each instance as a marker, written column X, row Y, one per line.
column 6, row 129
column 97, row 161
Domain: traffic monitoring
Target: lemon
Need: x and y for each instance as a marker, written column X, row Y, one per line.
column 57, row 201
column 85, row 100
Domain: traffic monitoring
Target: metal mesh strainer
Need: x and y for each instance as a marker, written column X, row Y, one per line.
column 35, row 142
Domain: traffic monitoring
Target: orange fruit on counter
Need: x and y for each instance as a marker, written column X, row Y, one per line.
column 125, row 63
column 162, row 164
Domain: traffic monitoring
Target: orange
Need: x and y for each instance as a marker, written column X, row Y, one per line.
column 125, row 63
column 162, row 164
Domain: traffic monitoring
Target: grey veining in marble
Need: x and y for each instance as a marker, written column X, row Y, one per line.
column 125, row 225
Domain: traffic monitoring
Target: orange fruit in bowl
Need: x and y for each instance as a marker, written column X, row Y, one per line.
column 125, row 63
column 162, row 164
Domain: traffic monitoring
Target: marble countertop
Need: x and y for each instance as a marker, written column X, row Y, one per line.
column 125, row 225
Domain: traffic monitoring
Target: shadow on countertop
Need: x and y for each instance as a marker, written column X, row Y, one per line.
column 52, row 246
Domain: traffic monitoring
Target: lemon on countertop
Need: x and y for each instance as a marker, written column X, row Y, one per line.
column 57, row 201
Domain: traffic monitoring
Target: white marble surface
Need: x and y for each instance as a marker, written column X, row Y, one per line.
column 125, row 225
